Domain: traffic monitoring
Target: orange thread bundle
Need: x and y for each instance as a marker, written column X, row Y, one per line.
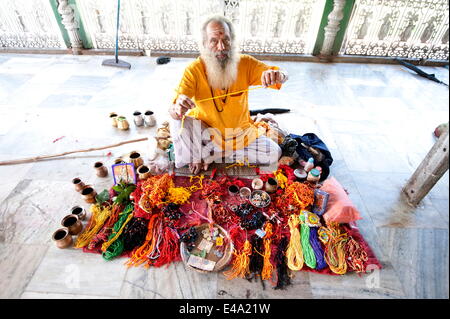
column 154, row 190
column 241, row 263
column 140, row 255
column 267, row 266
column 299, row 195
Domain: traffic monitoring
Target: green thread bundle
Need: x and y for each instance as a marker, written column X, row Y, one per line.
column 308, row 252
column 117, row 246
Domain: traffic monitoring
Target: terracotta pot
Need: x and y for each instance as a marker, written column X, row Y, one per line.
column 149, row 118
column 271, row 185
column 113, row 117
column 100, row 169
column 136, row 159
column 79, row 185
column 138, row 118
column 62, row 238
column 73, row 223
column 143, row 172
column 79, row 211
column 88, row 194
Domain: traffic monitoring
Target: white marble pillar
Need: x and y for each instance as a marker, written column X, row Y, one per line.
column 332, row 28
column 71, row 25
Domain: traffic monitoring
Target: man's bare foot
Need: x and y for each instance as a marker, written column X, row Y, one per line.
column 195, row 168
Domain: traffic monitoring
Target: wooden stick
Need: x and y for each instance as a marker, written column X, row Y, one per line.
column 38, row 158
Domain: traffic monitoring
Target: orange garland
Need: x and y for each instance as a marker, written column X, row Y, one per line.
column 299, row 194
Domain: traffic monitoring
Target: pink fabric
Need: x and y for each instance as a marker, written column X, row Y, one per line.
column 339, row 208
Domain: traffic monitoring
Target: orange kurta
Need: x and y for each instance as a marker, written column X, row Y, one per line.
column 230, row 115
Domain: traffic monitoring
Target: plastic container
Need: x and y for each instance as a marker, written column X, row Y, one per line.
column 309, row 165
column 313, row 176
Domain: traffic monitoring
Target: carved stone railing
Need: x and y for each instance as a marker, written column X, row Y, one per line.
column 29, row 24
column 263, row 26
column 400, row 28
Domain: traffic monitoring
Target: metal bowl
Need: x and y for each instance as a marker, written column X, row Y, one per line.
column 260, row 199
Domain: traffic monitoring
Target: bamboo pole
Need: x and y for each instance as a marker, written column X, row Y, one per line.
column 44, row 157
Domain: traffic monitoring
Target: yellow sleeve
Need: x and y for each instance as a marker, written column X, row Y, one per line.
column 256, row 68
column 187, row 85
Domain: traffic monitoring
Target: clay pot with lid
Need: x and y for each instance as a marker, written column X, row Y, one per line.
column 100, row 169
column 88, row 193
column 73, row 224
column 79, row 185
column 122, row 123
column 62, row 238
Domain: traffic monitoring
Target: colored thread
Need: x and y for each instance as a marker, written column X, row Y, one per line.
column 115, row 245
column 335, row 249
column 357, row 256
column 139, row 255
column 98, row 218
column 294, row 253
column 124, row 218
column 212, row 98
column 241, row 263
column 317, row 248
column 283, row 278
column 267, row 266
column 102, row 236
column 308, row 253
column 170, row 249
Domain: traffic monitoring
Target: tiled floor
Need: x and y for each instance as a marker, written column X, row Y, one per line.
column 376, row 119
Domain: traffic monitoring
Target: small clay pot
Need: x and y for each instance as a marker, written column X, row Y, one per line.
column 143, row 172
column 73, row 223
column 271, row 185
column 113, row 117
column 100, row 169
column 257, row 183
column 149, row 118
column 122, row 123
column 119, row 160
column 88, row 194
column 62, row 238
column 79, row 185
column 136, row 159
column 79, row 211
column 138, row 118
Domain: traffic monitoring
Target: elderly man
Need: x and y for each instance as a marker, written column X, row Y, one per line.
column 211, row 118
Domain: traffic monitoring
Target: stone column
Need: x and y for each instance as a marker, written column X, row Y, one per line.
column 71, row 25
column 332, row 28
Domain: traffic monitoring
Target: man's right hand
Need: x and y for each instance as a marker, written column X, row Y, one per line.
column 181, row 106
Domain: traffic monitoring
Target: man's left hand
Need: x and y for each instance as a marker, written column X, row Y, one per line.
column 272, row 77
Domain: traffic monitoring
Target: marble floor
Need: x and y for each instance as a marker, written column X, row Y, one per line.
column 376, row 119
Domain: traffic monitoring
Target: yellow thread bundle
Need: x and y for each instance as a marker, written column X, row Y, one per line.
column 294, row 253
column 98, row 218
column 267, row 270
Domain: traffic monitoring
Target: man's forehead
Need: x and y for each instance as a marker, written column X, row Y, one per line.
column 217, row 28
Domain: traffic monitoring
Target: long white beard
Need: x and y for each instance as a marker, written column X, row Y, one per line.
column 220, row 76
